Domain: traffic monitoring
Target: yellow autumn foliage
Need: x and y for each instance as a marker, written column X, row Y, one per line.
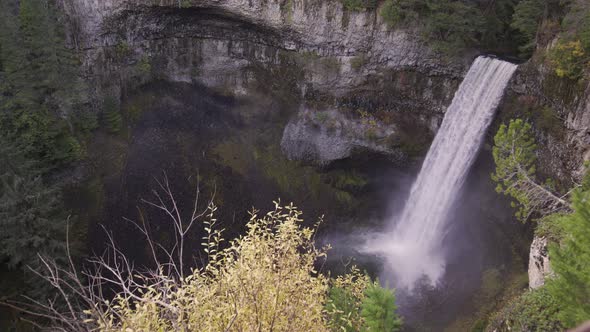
column 569, row 59
column 264, row 281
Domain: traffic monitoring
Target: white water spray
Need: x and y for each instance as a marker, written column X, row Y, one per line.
column 413, row 249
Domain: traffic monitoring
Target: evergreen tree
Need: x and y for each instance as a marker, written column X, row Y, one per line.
column 515, row 175
column 31, row 215
column 498, row 17
column 41, row 87
column 526, row 20
column 378, row 310
column 453, row 25
column 571, row 263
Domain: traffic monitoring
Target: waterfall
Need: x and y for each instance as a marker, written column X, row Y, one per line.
column 414, row 245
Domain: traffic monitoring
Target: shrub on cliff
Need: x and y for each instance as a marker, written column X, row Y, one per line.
column 535, row 310
column 396, row 12
column 570, row 56
column 112, row 115
column 569, row 59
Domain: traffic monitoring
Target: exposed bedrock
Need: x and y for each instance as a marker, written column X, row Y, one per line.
column 311, row 52
column 539, row 265
column 324, row 136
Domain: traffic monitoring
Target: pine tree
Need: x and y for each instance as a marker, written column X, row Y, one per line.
column 378, row 310
column 31, row 214
column 41, row 87
column 571, row 263
column 515, row 175
column 526, row 20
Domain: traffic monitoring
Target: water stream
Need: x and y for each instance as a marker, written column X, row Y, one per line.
column 414, row 245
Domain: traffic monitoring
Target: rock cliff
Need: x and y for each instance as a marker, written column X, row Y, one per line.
column 539, row 266
column 309, row 51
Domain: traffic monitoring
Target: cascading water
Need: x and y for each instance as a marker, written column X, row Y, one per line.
column 413, row 247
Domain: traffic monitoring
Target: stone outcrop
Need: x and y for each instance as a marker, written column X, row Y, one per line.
column 539, row 266
column 321, row 137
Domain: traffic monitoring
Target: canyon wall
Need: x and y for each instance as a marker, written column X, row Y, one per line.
column 312, row 52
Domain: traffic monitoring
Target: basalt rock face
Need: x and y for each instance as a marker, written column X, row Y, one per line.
column 539, row 265
column 312, row 52
column 324, row 136
column 560, row 111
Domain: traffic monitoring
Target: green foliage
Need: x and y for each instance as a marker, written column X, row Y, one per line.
column 357, row 5
column 321, row 117
column 357, row 62
column 569, row 59
column 144, row 66
column 526, row 20
column 547, row 121
column 86, row 121
column 570, row 261
column 122, row 50
column 345, row 297
column 342, row 308
column 585, row 185
column 357, row 304
column 112, row 115
column 396, row 12
column 378, row 310
column 40, row 87
column 535, row 310
column 392, row 13
column 584, row 30
column 551, row 228
column 31, row 213
column 453, row 24
column 514, row 155
column 491, row 284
